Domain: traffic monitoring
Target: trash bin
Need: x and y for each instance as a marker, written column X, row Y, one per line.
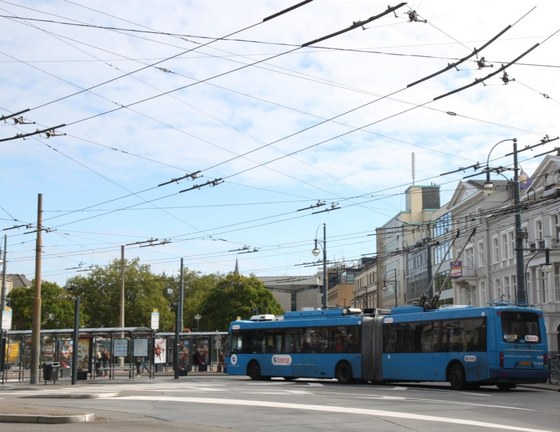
column 51, row 371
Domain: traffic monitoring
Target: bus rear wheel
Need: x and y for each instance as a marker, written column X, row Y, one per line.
column 456, row 377
column 343, row 373
column 254, row 371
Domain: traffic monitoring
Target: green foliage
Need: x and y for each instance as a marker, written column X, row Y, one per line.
column 100, row 293
column 236, row 296
column 57, row 307
column 218, row 299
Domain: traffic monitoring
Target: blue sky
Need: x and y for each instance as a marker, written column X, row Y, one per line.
column 266, row 128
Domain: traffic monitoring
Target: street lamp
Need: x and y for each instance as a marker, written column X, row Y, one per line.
column 544, row 268
column 394, row 281
column 488, row 189
column 316, row 252
column 197, row 317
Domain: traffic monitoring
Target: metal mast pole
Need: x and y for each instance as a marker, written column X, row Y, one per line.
column 36, row 326
column 521, row 293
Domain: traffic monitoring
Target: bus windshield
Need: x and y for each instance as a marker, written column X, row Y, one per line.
column 520, row 327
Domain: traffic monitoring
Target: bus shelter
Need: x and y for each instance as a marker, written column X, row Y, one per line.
column 108, row 352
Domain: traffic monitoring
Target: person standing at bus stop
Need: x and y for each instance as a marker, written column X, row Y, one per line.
column 105, row 360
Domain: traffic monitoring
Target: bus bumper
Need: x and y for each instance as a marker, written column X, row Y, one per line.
column 517, row 376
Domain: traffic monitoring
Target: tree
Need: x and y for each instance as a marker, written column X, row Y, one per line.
column 57, row 307
column 100, row 292
column 236, row 296
column 196, row 294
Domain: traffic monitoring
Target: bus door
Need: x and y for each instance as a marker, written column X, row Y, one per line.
column 289, row 363
column 279, row 362
column 314, row 358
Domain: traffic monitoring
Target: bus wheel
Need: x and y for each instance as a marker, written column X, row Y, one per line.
column 344, row 373
column 456, row 377
column 506, row 387
column 254, row 371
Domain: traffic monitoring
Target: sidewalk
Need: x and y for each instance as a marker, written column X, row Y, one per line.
column 32, row 412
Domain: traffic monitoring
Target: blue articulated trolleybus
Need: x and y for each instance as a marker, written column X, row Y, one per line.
column 501, row 345
column 323, row 343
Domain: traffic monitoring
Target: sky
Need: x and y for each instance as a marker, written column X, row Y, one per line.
column 216, row 131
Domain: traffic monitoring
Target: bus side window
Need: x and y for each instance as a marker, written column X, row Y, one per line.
column 292, row 342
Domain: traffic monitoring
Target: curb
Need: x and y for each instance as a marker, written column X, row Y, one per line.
column 73, row 396
column 46, row 419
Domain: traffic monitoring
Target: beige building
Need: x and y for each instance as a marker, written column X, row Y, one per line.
column 403, row 249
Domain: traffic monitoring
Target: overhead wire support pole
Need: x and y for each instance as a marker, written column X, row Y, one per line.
column 315, row 252
column 521, row 292
column 520, row 271
column 2, row 307
column 36, row 325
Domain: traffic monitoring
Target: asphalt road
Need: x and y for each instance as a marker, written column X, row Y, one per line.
column 215, row 403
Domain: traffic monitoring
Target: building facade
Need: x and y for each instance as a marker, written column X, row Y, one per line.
column 465, row 252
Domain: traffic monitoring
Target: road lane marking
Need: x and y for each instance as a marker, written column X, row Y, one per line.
column 444, row 402
column 335, row 409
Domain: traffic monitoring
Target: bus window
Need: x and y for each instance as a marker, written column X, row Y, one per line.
column 342, row 339
column 429, row 337
column 352, row 340
column 520, row 327
column 292, row 342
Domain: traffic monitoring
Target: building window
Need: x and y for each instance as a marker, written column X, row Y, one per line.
column 538, row 230
column 496, row 250
column 499, row 291
column 557, row 281
column 512, row 243
column 469, row 258
column 481, row 255
column 505, row 254
column 442, row 225
column 542, row 283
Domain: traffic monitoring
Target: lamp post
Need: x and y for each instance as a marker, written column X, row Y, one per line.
column 488, row 188
column 544, row 268
column 394, row 281
column 197, row 317
column 316, row 252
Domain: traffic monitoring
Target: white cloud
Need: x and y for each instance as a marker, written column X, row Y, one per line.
column 264, row 128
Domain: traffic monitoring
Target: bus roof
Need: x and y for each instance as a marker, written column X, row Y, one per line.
column 319, row 317
column 322, row 313
column 453, row 311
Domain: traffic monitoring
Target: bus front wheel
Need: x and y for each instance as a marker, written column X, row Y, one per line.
column 456, row 377
column 344, row 373
column 254, row 371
